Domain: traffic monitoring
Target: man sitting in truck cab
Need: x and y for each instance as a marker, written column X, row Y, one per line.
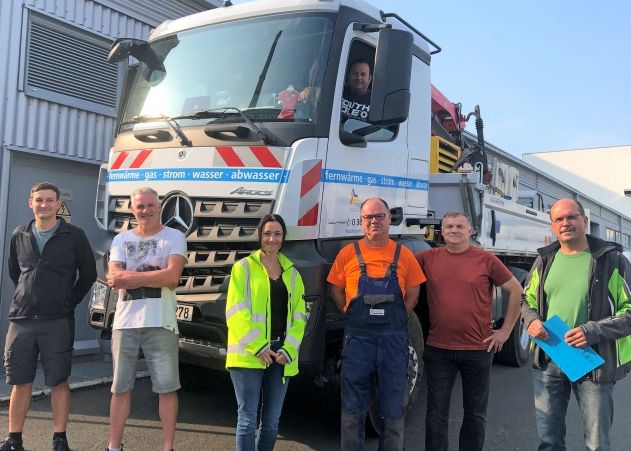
column 356, row 96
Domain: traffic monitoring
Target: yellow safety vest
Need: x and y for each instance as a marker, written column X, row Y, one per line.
column 248, row 313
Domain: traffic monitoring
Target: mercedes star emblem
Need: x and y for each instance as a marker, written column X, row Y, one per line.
column 177, row 212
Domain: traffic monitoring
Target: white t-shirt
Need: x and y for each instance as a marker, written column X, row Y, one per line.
column 147, row 254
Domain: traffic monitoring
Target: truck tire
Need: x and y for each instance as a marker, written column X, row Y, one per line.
column 516, row 350
column 415, row 372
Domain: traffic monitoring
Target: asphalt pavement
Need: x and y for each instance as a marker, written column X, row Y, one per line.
column 310, row 419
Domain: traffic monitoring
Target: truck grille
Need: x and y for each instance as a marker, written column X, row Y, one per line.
column 223, row 231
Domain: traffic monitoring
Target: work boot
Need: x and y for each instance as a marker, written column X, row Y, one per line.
column 10, row 444
column 60, row 444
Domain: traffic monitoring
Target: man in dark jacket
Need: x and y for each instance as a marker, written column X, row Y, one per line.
column 585, row 281
column 356, row 96
column 52, row 266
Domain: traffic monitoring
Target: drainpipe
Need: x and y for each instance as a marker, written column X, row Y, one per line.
column 5, row 170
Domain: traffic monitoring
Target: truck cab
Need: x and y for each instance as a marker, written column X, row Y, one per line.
column 237, row 112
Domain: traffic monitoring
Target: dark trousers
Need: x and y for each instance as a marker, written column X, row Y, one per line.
column 441, row 367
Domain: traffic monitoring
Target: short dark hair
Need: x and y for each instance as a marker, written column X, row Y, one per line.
column 41, row 186
column 271, row 218
column 385, row 204
column 359, row 61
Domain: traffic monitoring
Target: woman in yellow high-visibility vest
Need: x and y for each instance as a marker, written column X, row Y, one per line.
column 265, row 313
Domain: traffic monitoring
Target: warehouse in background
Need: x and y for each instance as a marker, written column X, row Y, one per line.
column 601, row 173
column 58, row 109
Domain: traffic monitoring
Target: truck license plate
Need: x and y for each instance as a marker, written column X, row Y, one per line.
column 184, row 312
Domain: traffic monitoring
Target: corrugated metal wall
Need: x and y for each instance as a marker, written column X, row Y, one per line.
column 552, row 189
column 38, row 125
column 158, row 10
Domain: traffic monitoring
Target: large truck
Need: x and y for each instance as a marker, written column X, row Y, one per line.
column 237, row 112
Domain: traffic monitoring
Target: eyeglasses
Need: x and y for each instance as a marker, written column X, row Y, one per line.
column 379, row 217
column 570, row 218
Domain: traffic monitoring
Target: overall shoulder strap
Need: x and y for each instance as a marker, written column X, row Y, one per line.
column 360, row 259
column 395, row 261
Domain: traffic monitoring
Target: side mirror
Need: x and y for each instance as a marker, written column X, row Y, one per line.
column 352, row 140
column 122, row 48
column 390, row 99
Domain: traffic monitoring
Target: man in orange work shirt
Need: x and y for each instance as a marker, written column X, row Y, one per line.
column 376, row 282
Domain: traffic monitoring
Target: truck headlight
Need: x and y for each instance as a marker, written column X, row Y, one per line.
column 99, row 296
column 310, row 303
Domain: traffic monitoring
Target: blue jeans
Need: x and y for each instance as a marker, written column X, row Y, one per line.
column 248, row 384
column 441, row 368
column 552, row 394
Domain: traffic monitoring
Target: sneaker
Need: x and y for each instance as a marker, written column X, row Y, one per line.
column 10, row 444
column 60, row 444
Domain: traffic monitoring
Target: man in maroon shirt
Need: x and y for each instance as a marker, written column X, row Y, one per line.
column 460, row 280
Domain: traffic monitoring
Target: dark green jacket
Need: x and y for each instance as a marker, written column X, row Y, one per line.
column 608, row 328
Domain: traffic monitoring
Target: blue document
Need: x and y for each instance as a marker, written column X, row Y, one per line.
column 574, row 362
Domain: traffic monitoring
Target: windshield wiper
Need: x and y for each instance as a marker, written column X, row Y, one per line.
column 263, row 75
column 161, row 117
column 222, row 112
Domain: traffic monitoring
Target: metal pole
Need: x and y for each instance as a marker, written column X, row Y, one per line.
column 5, row 170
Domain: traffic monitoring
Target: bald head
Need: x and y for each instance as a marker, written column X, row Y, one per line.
column 568, row 201
column 569, row 224
column 375, row 221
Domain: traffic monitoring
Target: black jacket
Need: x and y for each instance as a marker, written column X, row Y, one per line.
column 46, row 284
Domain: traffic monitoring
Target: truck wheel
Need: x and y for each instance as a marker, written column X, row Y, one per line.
column 415, row 372
column 516, row 350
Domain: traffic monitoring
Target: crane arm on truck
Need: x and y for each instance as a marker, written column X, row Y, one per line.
column 448, row 122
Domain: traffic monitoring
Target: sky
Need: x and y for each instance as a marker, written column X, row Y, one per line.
column 547, row 74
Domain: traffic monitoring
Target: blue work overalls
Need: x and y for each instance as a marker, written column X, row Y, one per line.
column 375, row 349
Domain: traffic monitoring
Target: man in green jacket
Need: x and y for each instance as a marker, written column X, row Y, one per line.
column 585, row 281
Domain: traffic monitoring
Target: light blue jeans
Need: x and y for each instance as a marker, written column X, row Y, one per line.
column 552, row 393
column 248, row 385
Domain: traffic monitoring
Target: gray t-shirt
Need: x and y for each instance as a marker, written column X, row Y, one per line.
column 42, row 237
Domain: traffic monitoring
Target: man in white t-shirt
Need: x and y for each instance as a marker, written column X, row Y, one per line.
column 145, row 266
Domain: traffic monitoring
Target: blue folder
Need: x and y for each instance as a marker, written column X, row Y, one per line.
column 574, row 362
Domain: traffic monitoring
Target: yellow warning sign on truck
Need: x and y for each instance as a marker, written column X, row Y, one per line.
column 64, row 212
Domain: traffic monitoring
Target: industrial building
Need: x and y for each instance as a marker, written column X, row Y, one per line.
column 601, row 173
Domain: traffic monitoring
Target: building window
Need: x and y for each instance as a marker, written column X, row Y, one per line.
column 67, row 65
column 613, row 235
column 610, row 234
column 626, row 240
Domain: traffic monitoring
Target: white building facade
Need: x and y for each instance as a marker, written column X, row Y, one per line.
column 601, row 173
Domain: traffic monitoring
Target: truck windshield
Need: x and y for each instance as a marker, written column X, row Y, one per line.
column 271, row 69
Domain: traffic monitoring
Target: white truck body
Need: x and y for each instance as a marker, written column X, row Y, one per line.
column 266, row 158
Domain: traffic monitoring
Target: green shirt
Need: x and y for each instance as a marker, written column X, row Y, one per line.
column 41, row 237
column 566, row 287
